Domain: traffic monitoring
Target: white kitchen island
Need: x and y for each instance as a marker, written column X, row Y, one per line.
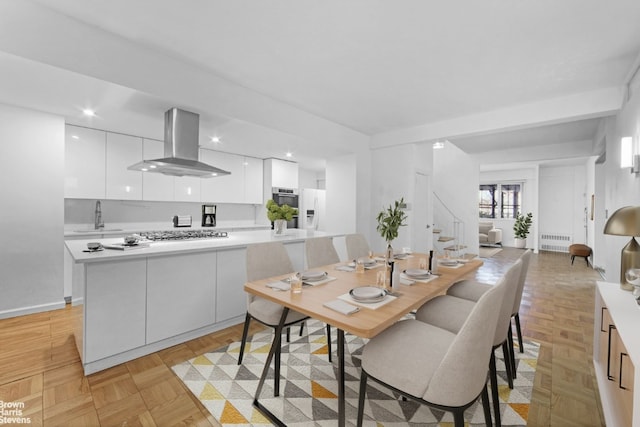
column 134, row 302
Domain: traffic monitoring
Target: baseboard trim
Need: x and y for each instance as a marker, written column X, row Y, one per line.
column 31, row 310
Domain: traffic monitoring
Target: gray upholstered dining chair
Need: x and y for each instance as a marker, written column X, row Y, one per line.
column 357, row 246
column 267, row 260
column 451, row 313
column 472, row 290
column 320, row 251
column 431, row 365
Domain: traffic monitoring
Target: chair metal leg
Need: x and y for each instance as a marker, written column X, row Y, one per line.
column 329, row 341
column 245, row 331
column 507, row 363
column 519, row 332
column 485, row 407
column 288, row 334
column 458, row 418
column 276, row 373
column 276, row 344
column 512, row 352
column 301, row 328
column 361, row 397
column 494, row 390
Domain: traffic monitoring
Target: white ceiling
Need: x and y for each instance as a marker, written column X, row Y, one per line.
column 356, row 69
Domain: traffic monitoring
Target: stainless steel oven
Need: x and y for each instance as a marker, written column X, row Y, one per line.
column 286, row 196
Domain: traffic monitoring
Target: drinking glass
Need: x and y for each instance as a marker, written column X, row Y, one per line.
column 296, row 284
column 381, row 278
column 422, row 264
column 633, row 277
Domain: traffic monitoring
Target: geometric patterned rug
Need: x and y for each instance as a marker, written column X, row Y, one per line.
column 308, row 387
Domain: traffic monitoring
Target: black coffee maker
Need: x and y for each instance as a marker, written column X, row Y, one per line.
column 208, row 215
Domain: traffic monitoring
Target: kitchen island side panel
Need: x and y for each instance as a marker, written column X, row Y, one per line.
column 180, row 294
column 114, row 308
column 231, row 299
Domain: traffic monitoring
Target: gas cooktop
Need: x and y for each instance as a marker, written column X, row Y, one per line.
column 182, row 234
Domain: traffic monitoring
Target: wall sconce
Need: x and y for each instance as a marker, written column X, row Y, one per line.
column 626, row 222
column 628, row 156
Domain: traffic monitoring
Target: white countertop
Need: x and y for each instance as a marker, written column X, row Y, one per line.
column 235, row 239
column 87, row 230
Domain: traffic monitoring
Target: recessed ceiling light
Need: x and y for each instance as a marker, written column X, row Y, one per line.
column 214, row 174
column 215, row 139
column 245, row 163
column 438, row 144
column 88, row 112
column 289, row 154
column 75, row 137
column 144, row 169
column 152, row 166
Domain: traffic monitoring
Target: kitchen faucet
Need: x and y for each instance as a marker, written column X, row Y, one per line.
column 98, row 216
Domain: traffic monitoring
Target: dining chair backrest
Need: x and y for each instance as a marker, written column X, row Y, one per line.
column 320, row 251
column 357, row 246
column 526, row 259
column 267, row 260
column 511, row 278
column 463, row 371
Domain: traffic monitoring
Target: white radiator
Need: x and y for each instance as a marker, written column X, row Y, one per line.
column 555, row 242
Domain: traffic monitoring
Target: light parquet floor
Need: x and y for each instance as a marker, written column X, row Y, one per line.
column 39, row 364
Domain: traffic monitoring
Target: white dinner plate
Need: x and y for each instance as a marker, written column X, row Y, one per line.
column 367, row 294
column 448, row 263
column 314, row 276
column 401, row 256
column 417, row 272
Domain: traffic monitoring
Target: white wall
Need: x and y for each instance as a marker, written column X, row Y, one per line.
column 455, row 181
column 393, row 177
column 32, row 191
column 621, row 187
column 563, row 200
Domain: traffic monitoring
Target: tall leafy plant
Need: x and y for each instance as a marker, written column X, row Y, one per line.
column 522, row 225
column 391, row 219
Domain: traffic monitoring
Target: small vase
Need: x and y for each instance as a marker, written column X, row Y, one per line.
column 279, row 227
column 389, row 253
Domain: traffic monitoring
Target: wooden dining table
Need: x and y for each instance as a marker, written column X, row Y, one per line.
column 367, row 322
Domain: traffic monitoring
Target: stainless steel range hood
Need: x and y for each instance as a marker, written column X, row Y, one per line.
column 181, row 146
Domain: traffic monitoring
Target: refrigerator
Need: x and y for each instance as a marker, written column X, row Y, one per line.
column 311, row 209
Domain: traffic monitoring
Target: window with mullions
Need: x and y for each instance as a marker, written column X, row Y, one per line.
column 499, row 200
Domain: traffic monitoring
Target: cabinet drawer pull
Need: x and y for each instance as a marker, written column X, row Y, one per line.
column 602, row 309
column 620, row 380
column 609, row 377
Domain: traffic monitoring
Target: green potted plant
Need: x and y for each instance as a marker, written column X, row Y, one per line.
column 390, row 220
column 521, row 229
column 279, row 215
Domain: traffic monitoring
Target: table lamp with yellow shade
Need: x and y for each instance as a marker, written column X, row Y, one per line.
column 626, row 222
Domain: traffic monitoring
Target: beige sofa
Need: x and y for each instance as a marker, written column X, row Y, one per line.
column 488, row 234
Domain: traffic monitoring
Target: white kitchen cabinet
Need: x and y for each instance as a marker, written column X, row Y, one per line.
column 231, row 275
column 122, row 152
column 616, row 353
column 284, row 174
column 114, row 322
column 84, row 168
column 253, row 176
column 180, row 294
column 226, row 188
column 156, row 186
column 186, row 189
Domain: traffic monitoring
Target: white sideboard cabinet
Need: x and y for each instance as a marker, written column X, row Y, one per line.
column 616, row 352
